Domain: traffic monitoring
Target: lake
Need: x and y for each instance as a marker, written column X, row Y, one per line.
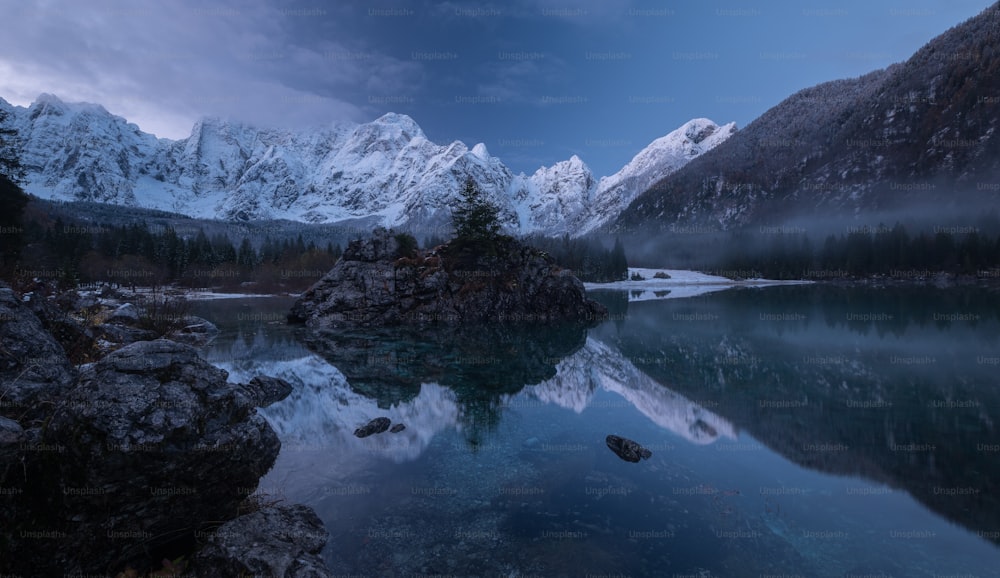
column 795, row 431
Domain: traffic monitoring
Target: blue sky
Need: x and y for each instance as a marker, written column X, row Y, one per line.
column 535, row 80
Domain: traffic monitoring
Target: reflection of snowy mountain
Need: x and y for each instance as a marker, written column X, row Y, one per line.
column 597, row 366
column 322, row 412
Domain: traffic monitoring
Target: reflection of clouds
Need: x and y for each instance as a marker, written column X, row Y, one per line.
column 597, row 366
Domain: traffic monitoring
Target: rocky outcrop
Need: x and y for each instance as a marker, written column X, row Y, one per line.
column 283, row 541
column 122, row 462
column 156, row 440
column 34, row 369
column 627, row 449
column 507, row 282
column 148, row 445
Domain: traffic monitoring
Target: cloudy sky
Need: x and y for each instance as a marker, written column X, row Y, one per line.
column 535, row 80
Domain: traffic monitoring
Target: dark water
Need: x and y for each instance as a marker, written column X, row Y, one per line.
column 810, row 431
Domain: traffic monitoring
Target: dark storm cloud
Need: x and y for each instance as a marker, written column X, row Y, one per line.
column 535, row 80
column 165, row 64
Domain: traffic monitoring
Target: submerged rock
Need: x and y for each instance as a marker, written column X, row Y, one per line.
column 281, row 540
column 265, row 390
column 377, row 425
column 372, row 286
column 627, row 449
column 397, row 428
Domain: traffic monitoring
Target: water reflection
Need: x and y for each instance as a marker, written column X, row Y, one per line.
column 890, row 385
column 749, row 399
column 599, row 367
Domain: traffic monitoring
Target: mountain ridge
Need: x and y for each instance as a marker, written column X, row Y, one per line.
column 386, row 168
column 923, row 130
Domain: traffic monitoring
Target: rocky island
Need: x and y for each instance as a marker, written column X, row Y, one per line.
column 381, row 282
column 480, row 276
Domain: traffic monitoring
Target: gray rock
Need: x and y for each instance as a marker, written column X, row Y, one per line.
column 120, row 335
column 264, row 390
column 370, row 287
column 34, row 369
column 160, row 442
column 281, row 541
column 78, row 341
column 194, row 331
column 627, row 449
column 10, row 432
column 377, row 425
column 126, row 313
column 397, row 428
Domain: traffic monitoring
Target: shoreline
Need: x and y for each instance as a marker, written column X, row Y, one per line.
column 686, row 278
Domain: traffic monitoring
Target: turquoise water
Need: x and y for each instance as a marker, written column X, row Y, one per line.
column 810, row 431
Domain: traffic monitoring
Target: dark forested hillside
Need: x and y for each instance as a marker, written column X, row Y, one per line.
column 922, row 130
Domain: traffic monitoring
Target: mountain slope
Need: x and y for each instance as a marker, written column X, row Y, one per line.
column 386, row 169
column 921, row 130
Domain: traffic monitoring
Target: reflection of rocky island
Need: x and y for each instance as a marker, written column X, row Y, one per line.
column 379, row 282
column 390, row 365
column 326, row 406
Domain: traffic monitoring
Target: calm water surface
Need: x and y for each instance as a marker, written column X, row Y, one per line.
column 810, row 430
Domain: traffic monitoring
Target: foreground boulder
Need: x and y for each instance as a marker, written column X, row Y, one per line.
column 281, row 540
column 34, row 369
column 503, row 281
column 627, row 449
column 151, row 443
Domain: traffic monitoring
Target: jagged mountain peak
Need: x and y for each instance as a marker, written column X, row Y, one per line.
column 404, row 124
column 386, row 170
column 698, row 129
column 480, row 151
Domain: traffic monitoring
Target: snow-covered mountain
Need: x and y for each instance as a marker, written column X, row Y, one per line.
column 386, row 168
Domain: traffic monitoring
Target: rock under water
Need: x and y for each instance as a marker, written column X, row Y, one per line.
column 627, row 449
column 280, row 540
column 375, row 426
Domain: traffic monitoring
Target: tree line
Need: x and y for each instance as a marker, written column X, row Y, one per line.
column 863, row 252
column 140, row 254
column 587, row 257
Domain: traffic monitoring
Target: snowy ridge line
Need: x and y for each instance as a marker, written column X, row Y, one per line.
column 386, row 169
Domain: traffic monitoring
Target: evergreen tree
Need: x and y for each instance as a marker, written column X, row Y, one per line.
column 246, row 257
column 475, row 218
column 619, row 264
